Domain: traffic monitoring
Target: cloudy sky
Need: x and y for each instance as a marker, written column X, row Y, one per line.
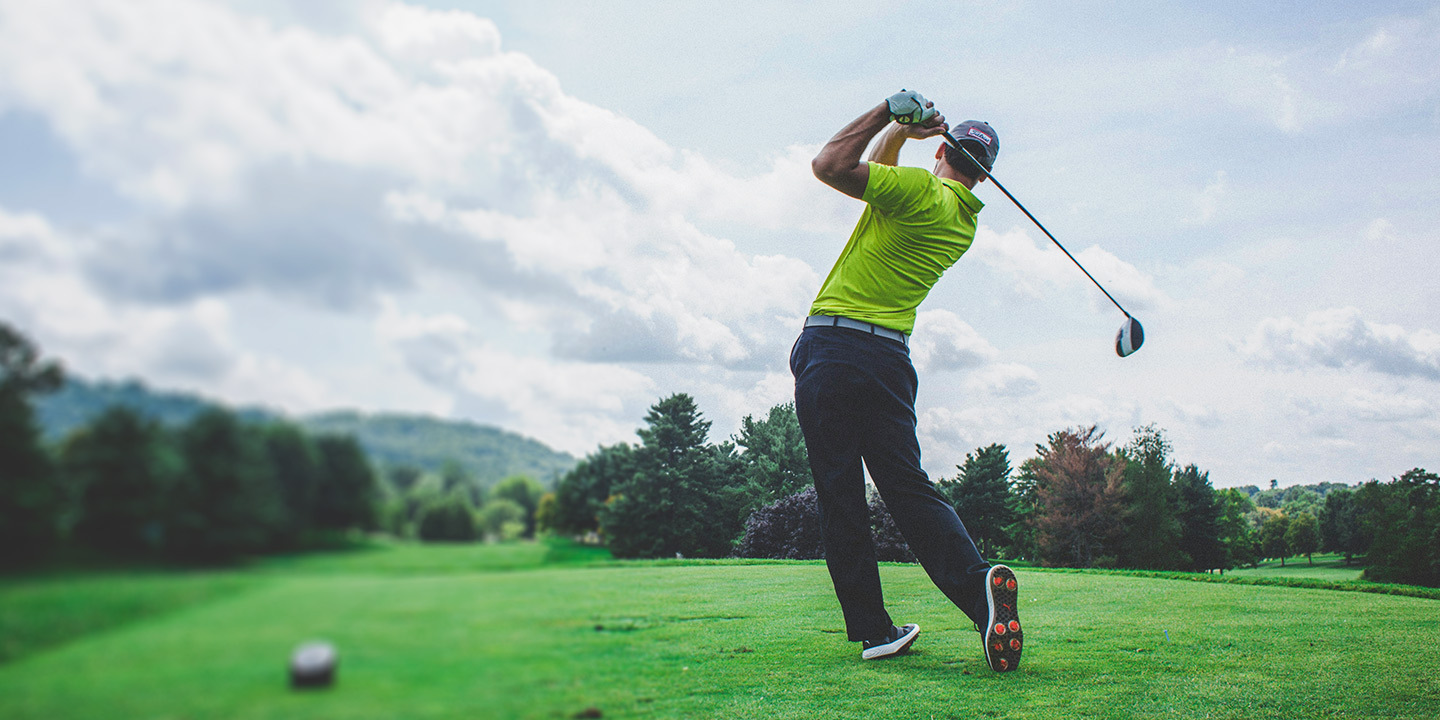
column 547, row 215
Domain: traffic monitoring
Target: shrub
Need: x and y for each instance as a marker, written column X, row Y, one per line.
column 450, row 519
column 889, row 543
column 788, row 528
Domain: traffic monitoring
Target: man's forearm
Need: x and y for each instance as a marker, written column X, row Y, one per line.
column 838, row 164
column 887, row 148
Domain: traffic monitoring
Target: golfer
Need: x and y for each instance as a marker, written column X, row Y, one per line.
column 855, row 386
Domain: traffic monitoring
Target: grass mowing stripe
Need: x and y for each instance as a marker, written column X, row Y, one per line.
column 40, row 613
column 745, row 641
column 1360, row 586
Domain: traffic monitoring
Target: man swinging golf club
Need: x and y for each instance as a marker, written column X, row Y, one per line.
column 855, row 386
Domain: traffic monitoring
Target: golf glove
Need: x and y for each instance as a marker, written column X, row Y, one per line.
column 907, row 107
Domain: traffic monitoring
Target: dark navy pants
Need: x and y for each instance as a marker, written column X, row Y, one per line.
column 855, row 396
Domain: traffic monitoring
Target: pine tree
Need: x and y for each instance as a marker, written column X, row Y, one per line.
column 348, row 496
column 1198, row 510
column 1152, row 530
column 30, row 496
column 775, row 460
column 227, row 502
column 124, row 469
column 295, row 466
column 684, row 497
column 982, row 498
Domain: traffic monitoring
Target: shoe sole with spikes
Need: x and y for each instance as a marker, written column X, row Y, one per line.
column 1002, row 635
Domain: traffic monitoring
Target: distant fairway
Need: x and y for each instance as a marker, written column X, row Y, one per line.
column 1324, row 567
column 465, row 632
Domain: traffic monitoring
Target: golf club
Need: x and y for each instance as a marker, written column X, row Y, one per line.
column 1131, row 334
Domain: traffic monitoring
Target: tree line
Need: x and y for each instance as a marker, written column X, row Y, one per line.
column 217, row 486
column 1079, row 502
column 211, row 490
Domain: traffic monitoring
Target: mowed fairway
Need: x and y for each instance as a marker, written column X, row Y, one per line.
column 422, row 636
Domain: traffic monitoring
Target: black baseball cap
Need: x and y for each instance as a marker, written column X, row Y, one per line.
column 980, row 139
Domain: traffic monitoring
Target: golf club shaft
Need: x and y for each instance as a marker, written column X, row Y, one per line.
column 956, row 144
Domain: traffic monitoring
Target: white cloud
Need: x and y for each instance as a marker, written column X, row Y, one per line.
column 333, row 168
column 1004, row 380
column 1207, row 203
column 572, row 405
column 1032, row 269
column 942, row 341
column 1342, row 338
column 1386, row 407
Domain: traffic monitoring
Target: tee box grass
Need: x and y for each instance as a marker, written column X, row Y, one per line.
column 530, row 631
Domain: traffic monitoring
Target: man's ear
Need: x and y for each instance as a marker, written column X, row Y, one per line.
column 940, row 151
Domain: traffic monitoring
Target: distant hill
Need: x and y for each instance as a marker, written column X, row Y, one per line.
column 488, row 453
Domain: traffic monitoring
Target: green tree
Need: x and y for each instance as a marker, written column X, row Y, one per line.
column 228, row 503
column 1023, row 534
column 448, row 519
column 30, row 496
column 502, row 519
column 1273, row 543
column 1402, row 520
column 685, row 496
column 349, row 493
column 1079, row 484
column 524, row 492
column 296, row 468
column 1198, row 510
column 1301, row 499
column 1303, row 535
column 775, row 460
column 454, row 477
column 1340, row 525
column 981, row 496
column 581, row 494
column 403, row 477
column 1235, row 535
column 1152, row 528
column 124, row 469
column 545, row 513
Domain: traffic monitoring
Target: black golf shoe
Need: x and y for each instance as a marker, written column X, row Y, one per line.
column 894, row 642
column 1002, row 635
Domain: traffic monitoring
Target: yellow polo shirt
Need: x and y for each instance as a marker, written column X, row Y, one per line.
column 915, row 226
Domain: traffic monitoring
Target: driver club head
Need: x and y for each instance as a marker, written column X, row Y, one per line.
column 1130, row 337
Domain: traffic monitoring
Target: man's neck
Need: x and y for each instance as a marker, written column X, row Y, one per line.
column 945, row 172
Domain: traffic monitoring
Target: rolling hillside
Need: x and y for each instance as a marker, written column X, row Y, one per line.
column 488, row 453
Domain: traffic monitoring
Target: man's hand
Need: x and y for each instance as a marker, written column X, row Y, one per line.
column 838, row 164
column 908, row 107
column 886, row 148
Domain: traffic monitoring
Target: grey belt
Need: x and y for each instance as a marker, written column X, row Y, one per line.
column 845, row 322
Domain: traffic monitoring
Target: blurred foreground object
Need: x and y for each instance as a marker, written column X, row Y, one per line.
column 313, row 665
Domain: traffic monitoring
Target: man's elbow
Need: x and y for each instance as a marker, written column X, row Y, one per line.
column 826, row 170
column 821, row 168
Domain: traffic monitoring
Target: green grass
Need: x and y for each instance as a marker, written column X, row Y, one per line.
column 1323, row 567
column 422, row 636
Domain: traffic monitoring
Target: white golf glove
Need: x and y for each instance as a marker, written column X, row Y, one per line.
column 907, row 107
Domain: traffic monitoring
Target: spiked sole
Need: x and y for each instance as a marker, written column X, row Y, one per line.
column 1002, row 635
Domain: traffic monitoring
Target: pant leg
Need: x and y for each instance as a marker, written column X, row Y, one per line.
column 928, row 521
column 829, row 398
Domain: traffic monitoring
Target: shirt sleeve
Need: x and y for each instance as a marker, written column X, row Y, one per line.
column 899, row 192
